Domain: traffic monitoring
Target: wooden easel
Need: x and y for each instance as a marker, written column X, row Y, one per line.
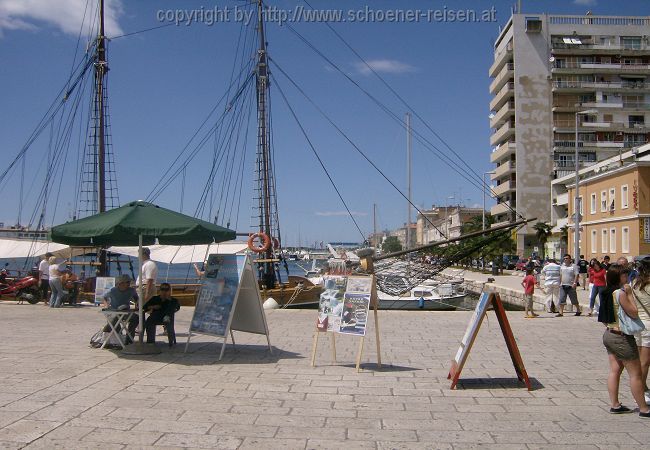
column 373, row 305
column 473, row 327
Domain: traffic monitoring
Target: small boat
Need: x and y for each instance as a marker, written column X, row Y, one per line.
column 430, row 296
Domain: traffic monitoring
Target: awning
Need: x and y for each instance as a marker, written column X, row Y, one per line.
column 178, row 254
column 25, row 248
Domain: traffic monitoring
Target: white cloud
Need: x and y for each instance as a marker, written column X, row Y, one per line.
column 585, row 2
column 66, row 15
column 339, row 213
column 384, row 66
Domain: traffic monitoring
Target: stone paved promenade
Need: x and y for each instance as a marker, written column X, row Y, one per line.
column 57, row 392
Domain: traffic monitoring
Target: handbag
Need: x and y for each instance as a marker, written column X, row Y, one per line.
column 627, row 324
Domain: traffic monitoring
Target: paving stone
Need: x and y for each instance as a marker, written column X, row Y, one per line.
column 264, row 443
column 26, row 430
column 122, row 437
column 173, row 426
column 199, row 441
column 332, row 444
column 473, row 437
column 243, row 430
column 66, row 444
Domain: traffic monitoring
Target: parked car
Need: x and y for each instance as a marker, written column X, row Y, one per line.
column 521, row 265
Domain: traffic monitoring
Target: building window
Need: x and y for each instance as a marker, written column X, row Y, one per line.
column 604, row 240
column 625, row 239
column 631, row 42
column 534, row 25
column 594, row 241
column 592, row 208
column 624, row 198
column 612, row 199
column 612, row 240
column 603, row 201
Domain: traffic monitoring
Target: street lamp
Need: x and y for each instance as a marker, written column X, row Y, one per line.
column 576, row 202
column 491, row 172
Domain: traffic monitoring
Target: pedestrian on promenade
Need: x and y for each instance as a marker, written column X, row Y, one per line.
column 641, row 289
column 529, row 291
column 44, row 276
column 569, row 273
column 583, row 269
column 605, row 262
column 598, row 284
column 55, row 283
column 551, row 272
column 149, row 275
column 621, row 348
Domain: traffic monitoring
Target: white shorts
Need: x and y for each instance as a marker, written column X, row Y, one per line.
column 643, row 338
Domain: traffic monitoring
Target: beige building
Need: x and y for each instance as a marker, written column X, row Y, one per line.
column 614, row 206
column 548, row 71
column 447, row 221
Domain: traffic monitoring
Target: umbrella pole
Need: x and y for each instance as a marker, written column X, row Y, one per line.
column 140, row 293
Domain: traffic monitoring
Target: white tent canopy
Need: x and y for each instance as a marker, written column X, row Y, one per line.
column 24, row 248
column 179, row 254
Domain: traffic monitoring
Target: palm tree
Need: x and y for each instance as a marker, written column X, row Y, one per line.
column 542, row 232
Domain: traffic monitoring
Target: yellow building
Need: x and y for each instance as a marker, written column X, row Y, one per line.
column 614, row 206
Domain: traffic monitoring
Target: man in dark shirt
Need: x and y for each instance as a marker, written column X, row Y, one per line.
column 605, row 264
column 161, row 309
column 583, row 271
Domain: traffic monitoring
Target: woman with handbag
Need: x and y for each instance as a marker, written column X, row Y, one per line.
column 641, row 289
column 619, row 313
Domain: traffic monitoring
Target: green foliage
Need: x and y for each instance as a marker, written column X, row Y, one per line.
column 391, row 244
column 542, row 233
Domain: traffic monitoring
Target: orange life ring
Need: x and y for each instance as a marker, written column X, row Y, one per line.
column 276, row 244
column 265, row 242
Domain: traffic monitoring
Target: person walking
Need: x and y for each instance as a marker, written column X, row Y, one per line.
column 44, row 276
column 598, row 284
column 641, row 290
column 551, row 272
column 55, row 283
column 583, row 270
column 621, row 348
column 529, row 291
column 568, row 282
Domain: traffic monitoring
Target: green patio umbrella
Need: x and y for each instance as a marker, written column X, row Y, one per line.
column 139, row 223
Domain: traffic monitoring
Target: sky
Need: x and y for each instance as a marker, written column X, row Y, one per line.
column 164, row 82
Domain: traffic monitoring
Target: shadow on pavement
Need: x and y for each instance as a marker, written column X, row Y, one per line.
column 496, row 383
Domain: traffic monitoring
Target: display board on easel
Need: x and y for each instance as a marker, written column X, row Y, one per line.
column 457, row 364
column 102, row 286
column 344, row 308
column 229, row 300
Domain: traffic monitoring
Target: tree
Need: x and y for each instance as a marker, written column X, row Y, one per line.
column 542, row 232
column 391, row 244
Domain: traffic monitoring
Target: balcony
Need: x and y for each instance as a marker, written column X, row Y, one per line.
column 503, row 114
column 504, row 169
column 504, row 94
column 500, row 59
column 506, row 74
column 603, row 105
column 504, row 133
column 500, row 208
column 636, row 106
column 563, row 66
column 588, row 86
column 560, row 223
column 503, row 151
column 562, row 199
column 504, row 188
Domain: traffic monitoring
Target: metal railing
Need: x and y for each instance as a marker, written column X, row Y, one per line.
column 562, row 84
column 599, row 20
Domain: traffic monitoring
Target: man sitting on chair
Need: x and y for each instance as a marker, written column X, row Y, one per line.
column 119, row 299
column 161, row 309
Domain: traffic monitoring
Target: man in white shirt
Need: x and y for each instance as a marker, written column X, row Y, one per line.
column 569, row 274
column 149, row 275
column 551, row 272
column 44, row 277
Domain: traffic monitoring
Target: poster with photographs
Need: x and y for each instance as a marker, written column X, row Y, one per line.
column 354, row 315
column 359, row 284
column 330, row 305
column 102, row 286
column 217, row 295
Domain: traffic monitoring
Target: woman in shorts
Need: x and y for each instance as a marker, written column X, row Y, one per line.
column 621, row 348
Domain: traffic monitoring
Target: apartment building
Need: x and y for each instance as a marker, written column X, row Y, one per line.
column 614, row 206
column 447, row 221
column 551, row 73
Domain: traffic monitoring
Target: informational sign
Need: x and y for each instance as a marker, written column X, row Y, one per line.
column 344, row 308
column 646, row 230
column 102, row 286
column 229, row 299
column 480, row 311
column 217, row 294
column 330, row 305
